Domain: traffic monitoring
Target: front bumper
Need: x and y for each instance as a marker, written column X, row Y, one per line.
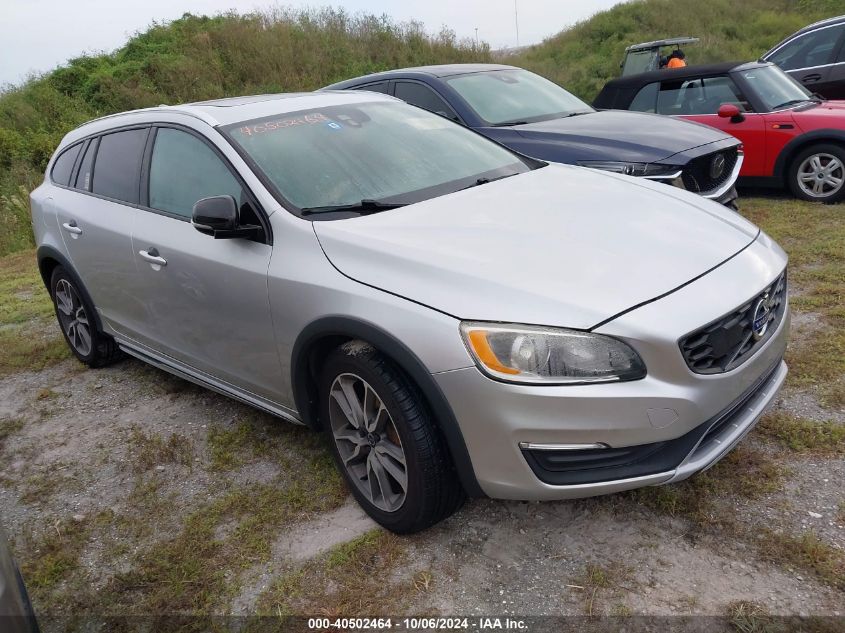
column 500, row 422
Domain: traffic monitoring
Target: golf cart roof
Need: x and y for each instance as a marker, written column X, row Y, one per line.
column 672, row 41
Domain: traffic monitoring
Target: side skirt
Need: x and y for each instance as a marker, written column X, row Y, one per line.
column 204, row 380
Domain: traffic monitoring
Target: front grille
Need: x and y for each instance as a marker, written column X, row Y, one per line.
column 728, row 342
column 698, row 174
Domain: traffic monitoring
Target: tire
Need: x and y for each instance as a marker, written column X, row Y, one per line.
column 399, row 427
column 810, row 177
column 75, row 315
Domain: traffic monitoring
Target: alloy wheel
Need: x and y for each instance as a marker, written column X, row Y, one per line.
column 368, row 442
column 73, row 318
column 821, row 175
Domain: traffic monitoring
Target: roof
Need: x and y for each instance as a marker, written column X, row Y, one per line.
column 687, row 72
column 619, row 93
column 229, row 110
column 658, row 43
column 442, row 70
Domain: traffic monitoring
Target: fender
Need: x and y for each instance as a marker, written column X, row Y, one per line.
column 49, row 252
column 340, row 326
column 819, row 136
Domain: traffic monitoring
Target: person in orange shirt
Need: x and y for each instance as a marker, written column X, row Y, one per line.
column 676, row 59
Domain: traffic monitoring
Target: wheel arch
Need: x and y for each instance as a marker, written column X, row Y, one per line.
column 323, row 335
column 800, row 143
column 48, row 260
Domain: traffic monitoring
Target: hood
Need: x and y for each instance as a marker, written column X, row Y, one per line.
column 828, row 114
column 560, row 245
column 632, row 136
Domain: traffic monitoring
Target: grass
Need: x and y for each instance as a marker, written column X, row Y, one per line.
column 148, row 450
column 349, row 580
column 55, row 555
column 806, row 551
column 8, row 427
column 814, row 237
column 26, row 341
column 29, row 340
column 749, row 617
column 800, row 435
column 602, row 579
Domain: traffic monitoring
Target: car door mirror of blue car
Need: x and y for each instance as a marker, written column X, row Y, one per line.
column 218, row 216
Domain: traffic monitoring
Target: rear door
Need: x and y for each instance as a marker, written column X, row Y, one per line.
column 810, row 57
column 96, row 213
column 208, row 297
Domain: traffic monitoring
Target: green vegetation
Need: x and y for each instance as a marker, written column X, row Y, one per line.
column 586, row 56
column 195, row 58
column 29, row 337
column 804, row 436
column 151, row 449
column 348, row 581
column 814, row 237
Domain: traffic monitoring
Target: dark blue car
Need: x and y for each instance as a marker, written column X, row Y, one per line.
column 538, row 118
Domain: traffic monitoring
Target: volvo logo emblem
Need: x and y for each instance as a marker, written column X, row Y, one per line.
column 762, row 313
column 717, row 166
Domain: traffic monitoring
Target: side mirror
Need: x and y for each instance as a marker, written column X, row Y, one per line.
column 218, row 216
column 730, row 111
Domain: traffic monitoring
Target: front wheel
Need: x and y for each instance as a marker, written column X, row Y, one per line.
column 817, row 174
column 388, row 450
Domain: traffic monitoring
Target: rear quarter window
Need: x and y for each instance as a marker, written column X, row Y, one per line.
column 63, row 166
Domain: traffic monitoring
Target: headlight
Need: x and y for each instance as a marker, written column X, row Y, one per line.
column 529, row 354
column 643, row 170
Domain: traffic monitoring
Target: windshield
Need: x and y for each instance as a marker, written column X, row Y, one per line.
column 382, row 152
column 503, row 97
column 775, row 88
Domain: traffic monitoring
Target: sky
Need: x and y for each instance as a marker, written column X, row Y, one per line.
column 38, row 35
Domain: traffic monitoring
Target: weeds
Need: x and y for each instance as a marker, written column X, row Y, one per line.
column 803, row 436
column 148, row 450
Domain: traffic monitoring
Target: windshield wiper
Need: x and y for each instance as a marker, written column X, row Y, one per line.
column 509, row 123
column 484, row 181
column 364, row 207
column 792, row 103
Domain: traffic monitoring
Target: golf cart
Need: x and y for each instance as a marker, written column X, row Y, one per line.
column 645, row 57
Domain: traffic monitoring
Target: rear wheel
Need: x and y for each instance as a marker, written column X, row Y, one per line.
column 385, row 444
column 818, row 174
column 78, row 324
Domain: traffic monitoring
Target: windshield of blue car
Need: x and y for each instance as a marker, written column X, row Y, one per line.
column 387, row 153
column 512, row 97
column 775, row 88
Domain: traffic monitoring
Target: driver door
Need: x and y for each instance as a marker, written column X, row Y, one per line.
column 699, row 100
column 207, row 298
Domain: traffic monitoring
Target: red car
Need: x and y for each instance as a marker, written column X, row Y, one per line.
column 791, row 136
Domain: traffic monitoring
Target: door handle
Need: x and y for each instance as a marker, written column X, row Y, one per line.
column 811, row 78
column 71, row 227
column 151, row 255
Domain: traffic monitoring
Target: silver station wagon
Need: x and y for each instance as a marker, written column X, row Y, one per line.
column 458, row 319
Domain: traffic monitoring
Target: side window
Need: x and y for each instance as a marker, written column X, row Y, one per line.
column 183, row 170
column 118, row 166
column 83, row 176
column 379, row 86
column 704, row 96
column 812, row 49
column 671, row 94
column 646, row 99
column 424, row 97
column 64, row 165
